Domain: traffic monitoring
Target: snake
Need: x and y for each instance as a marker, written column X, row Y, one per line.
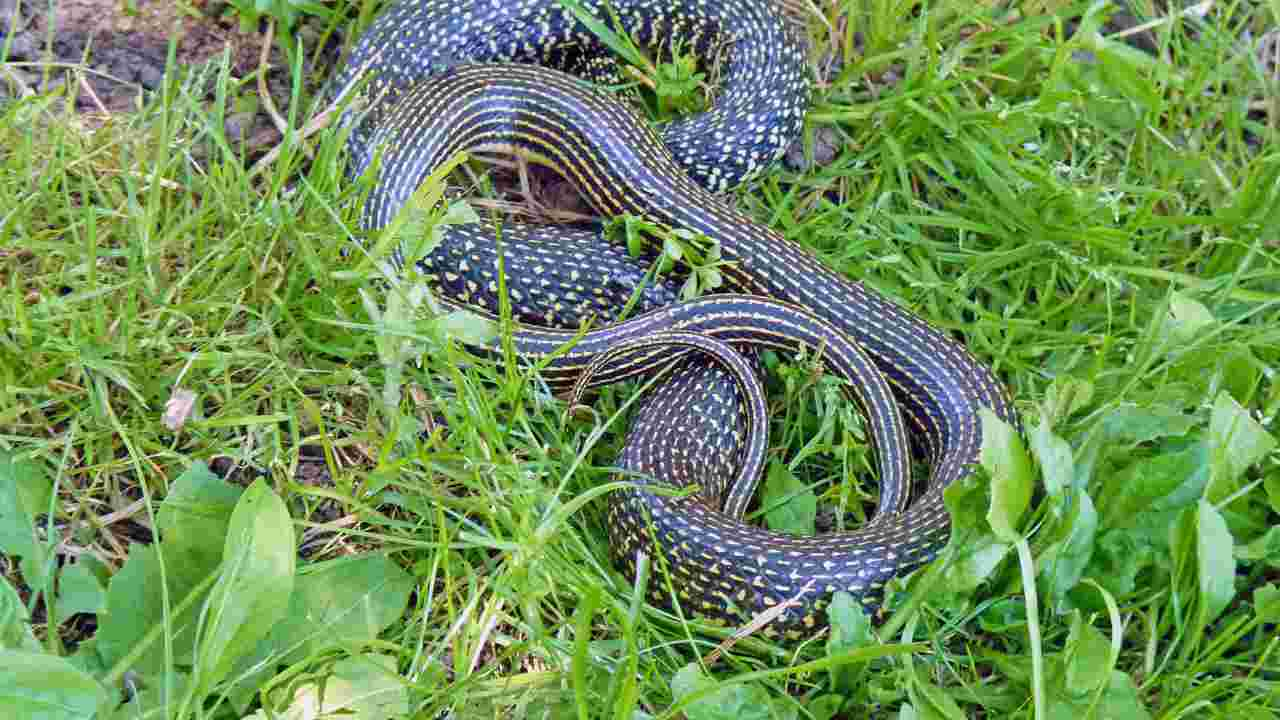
column 437, row 77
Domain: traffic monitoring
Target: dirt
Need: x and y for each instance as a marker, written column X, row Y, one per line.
column 109, row 53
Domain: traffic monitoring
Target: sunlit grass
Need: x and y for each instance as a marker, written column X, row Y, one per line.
column 1097, row 223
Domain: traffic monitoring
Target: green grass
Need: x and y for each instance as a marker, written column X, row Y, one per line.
column 1102, row 226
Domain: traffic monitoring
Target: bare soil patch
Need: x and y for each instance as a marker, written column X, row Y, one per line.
column 108, row 55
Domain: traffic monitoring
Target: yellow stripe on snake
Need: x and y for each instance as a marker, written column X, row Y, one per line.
column 449, row 75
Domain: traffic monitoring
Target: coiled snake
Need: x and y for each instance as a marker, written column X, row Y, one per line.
column 450, row 75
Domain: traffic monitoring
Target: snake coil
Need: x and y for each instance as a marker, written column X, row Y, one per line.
column 451, row 75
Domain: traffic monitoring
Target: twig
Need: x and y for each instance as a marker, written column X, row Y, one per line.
column 318, row 123
column 756, row 623
column 268, row 103
column 88, row 89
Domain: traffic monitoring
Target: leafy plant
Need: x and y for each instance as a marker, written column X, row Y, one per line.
column 429, row 534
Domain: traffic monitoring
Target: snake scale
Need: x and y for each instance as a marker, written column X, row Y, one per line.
column 442, row 76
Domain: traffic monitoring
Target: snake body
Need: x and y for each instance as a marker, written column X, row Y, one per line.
column 759, row 107
column 436, row 103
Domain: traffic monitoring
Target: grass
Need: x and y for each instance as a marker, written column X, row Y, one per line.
column 424, row 532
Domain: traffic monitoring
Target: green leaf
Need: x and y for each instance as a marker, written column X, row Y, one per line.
column 15, row 622
column 80, row 590
column 712, row 279
column 1005, row 459
column 1136, row 425
column 973, row 553
column 690, row 679
column 369, row 686
column 1272, row 485
column 253, row 590
column 47, row 687
column 1063, row 563
column 412, row 228
column 343, row 602
column 825, row 707
column 336, row 604
column 1266, row 603
column 1167, row 481
column 136, row 602
column 746, row 701
column 672, row 248
column 679, row 78
column 1003, row 616
column 365, row 686
column 467, row 327
column 1266, row 548
column 192, row 520
column 1119, row 701
column 850, row 629
column 790, row 504
column 975, row 563
column 460, row 212
column 1117, row 559
column 1088, row 661
column 1240, row 372
column 1238, row 442
column 1066, row 396
column 25, row 491
column 194, row 516
column 1187, row 316
column 1215, row 563
column 25, row 485
column 967, row 501
column 689, row 289
column 930, row 701
column 1053, row 454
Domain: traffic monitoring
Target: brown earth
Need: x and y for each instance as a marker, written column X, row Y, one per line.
column 110, row 52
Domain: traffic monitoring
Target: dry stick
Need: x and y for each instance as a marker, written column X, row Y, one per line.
column 490, row 620
column 282, row 125
column 756, row 623
column 43, row 64
column 88, row 89
column 1199, row 9
column 318, row 123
